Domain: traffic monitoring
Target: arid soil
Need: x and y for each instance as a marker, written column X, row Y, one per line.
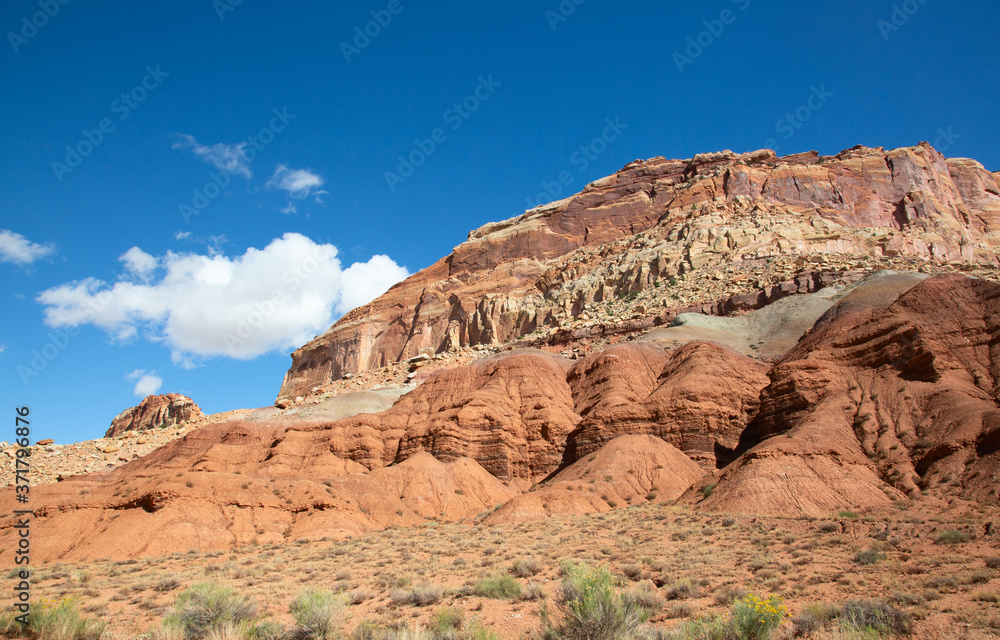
column 695, row 563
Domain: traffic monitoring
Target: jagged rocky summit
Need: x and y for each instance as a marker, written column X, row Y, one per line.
column 656, row 221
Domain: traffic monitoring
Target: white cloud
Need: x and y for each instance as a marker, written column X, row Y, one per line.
column 365, row 281
column 297, row 182
column 17, row 249
column 182, row 235
column 138, row 262
column 275, row 298
column 290, row 209
column 231, row 158
column 146, row 383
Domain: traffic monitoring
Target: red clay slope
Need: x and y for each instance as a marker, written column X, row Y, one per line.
column 878, row 404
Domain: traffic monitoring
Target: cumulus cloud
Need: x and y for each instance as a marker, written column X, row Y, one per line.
column 17, row 249
column 231, row 158
column 299, row 183
column 138, row 262
column 146, row 383
column 275, row 298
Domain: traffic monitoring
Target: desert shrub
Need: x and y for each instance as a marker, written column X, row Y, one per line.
column 805, row 623
column 420, row 595
column 726, row 595
column 525, row 567
column 847, row 515
column 447, row 621
column 532, row 591
column 447, row 624
column 9, row 627
column 167, row 583
column 708, row 489
column 503, row 587
column 207, row 607
column 951, row 536
column 828, row 527
column 903, row 597
column 751, row 618
column 646, row 597
column 728, row 522
column 368, row 630
column 754, row 618
column 632, row 571
column 681, row 589
column 980, row 577
column 317, row 614
column 61, row 621
column 268, row 631
column 868, row 556
column 993, row 563
column 592, row 608
column 680, row 610
column 874, row 615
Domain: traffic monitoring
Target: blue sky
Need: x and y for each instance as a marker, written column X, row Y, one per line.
column 261, row 163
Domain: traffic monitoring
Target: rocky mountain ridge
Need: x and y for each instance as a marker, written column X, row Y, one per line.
column 657, row 221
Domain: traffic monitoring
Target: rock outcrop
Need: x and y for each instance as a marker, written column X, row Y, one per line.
column 657, row 220
column 877, row 404
column 153, row 412
column 891, row 395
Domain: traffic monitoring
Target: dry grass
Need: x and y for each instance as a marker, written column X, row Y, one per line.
column 680, row 564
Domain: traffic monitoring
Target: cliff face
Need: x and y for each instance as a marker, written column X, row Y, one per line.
column 154, row 411
column 660, row 219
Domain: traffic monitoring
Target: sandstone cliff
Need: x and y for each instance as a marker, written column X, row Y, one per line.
column 660, row 219
column 155, row 411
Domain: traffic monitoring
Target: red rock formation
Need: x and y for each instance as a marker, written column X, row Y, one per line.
column 627, row 470
column 154, row 411
column 879, row 403
column 657, row 219
column 510, row 413
column 700, row 403
column 881, row 400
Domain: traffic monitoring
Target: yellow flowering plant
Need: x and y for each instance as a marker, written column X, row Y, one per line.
column 755, row 618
